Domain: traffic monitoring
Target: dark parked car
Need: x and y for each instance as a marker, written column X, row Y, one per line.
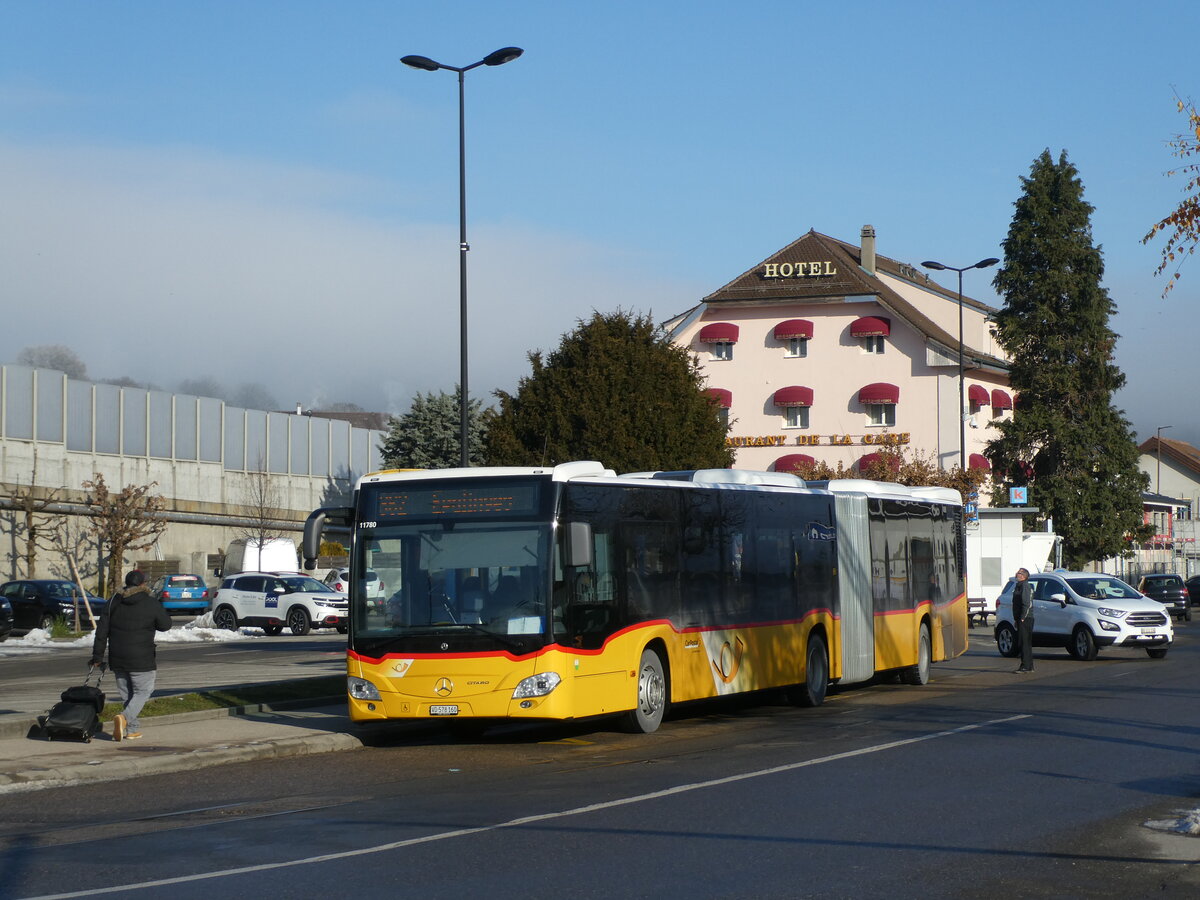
column 1170, row 592
column 36, row 603
column 181, row 593
column 5, row 618
column 1193, row 588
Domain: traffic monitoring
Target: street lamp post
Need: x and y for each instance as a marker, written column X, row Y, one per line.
column 498, row 58
column 1158, row 453
column 962, row 406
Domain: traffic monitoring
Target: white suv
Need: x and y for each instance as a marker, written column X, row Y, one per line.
column 271, row 599
column 1084, row 611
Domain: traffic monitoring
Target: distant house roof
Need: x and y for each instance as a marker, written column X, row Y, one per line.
column 1179, row 451
column 375, row 420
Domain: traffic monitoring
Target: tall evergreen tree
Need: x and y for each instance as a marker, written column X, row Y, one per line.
column 618, row 391
column 428, row 436
column 1066, row 441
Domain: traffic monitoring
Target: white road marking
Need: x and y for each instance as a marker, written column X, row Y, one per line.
column 529, row 820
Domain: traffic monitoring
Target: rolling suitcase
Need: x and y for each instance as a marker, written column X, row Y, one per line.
column 77, row 716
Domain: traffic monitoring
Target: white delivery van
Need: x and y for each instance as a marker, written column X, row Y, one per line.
column 253, row 555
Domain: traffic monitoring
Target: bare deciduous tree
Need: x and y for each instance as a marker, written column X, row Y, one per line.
column 261, row 503
column 53, row 356
column 126, row 520
column 31, row 524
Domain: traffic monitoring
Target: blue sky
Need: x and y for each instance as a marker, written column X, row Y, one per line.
column 261, row 192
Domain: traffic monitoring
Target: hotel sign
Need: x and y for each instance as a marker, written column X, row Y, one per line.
column 817, row 440
column 798, row 270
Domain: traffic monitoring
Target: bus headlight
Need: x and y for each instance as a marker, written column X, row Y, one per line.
column 361, row 689
column 537, row 685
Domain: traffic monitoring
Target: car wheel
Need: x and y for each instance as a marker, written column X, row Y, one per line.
column 1083, row 645
column 298, row 621
column 1006, row 640
column 919, row 673
column 651, row 696
column 1157, row 652
column 343, row 629
column 272, row 629
column 46, row 621
column 225, row 619
column 1187, row 613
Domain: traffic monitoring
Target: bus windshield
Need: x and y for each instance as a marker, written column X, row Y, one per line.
column 448, row 580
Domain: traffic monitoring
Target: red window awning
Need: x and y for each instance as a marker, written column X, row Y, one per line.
column 793, row 461
column 723, row 397
column 718, row 333
column 794, row 396
column 793, row 328
column 978, row 461
column 1001, row 400
column 870, row 326
column 977, row 394
column 880, row 392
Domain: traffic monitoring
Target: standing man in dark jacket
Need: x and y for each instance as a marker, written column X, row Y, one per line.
column 127, row 628
column 1023, row 616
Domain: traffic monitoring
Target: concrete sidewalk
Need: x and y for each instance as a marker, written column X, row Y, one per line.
column 171, row 744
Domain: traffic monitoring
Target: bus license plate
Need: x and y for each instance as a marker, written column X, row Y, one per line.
column 444, row 710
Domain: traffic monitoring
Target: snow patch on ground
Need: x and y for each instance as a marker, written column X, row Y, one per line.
column 198, row 630
column 1187, row 822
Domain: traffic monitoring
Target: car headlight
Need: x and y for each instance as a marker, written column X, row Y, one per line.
column 1112, row 613
column 361, row 689
column 537, row 685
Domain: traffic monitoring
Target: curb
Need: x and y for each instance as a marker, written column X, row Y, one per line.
column 21, row 727
column 117, row 769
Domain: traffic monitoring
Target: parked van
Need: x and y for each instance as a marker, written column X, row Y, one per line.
column 251, row 555
column 1084, row 611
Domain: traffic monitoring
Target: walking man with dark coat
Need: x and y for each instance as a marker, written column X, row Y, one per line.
column 1023, row 616
column 126, row 628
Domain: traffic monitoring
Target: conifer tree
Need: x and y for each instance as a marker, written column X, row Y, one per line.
column 1066, row 441
column 618, row 391
column 428, row 435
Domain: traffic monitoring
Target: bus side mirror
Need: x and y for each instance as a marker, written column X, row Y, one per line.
column 314, row 528
column 577, row 549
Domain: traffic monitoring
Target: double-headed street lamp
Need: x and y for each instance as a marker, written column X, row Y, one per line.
column 498, row 58
column 962, row 406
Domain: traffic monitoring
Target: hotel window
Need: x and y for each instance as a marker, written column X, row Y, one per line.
column 873, row 343
column 795, row 417
column 722, row 350
column 797, row 347
column 881, row 414
column 871, row 330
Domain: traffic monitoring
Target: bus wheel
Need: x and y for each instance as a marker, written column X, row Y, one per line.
column 919, row 674
column 816, row 675
column 651, row 695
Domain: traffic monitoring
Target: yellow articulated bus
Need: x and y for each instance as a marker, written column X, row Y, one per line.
column 568, row 591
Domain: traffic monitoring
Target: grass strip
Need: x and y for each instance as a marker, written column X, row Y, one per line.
column 248, row 695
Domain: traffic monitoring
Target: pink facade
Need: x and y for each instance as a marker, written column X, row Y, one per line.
column 880, row 365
